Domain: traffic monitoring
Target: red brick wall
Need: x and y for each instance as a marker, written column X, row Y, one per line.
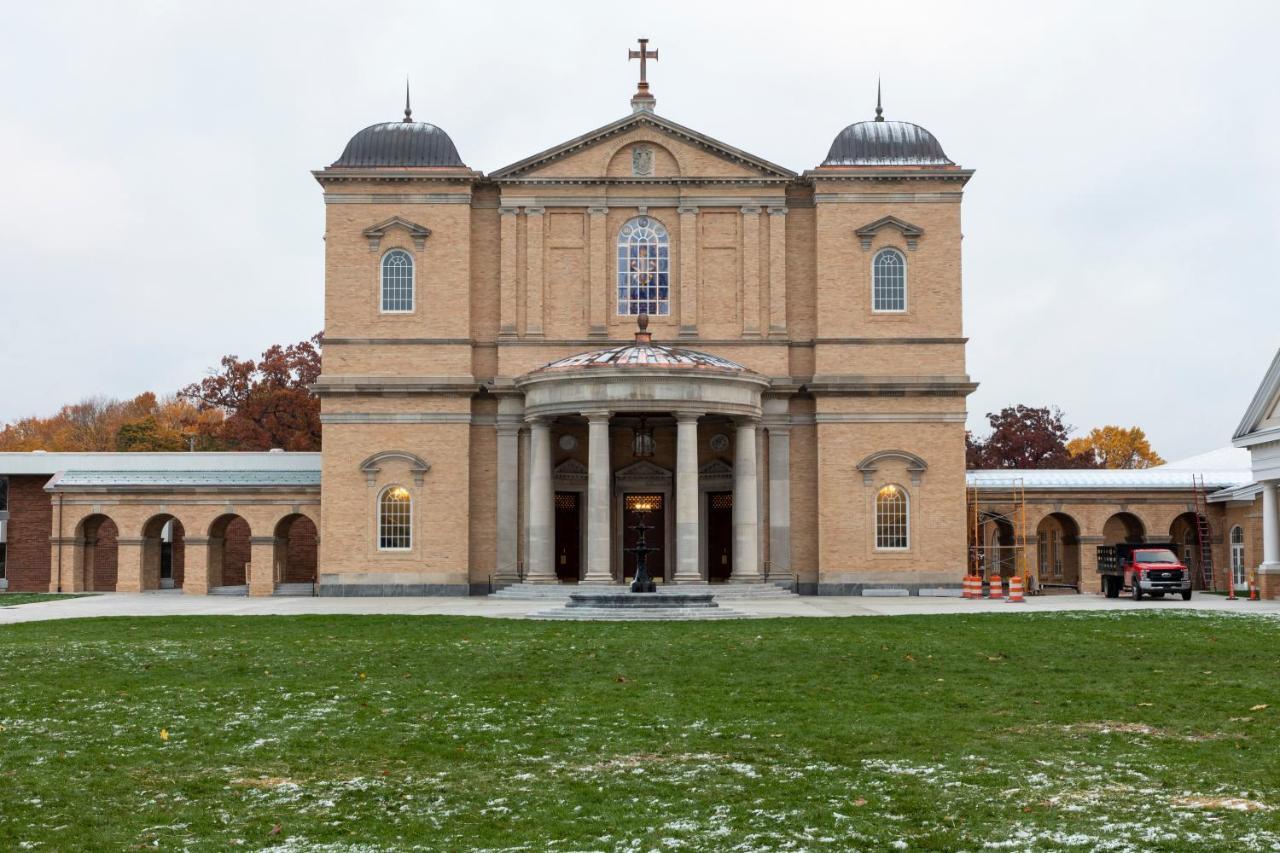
column 235, row 552
column 300, row 565
column 103, row 534
column 30, row 523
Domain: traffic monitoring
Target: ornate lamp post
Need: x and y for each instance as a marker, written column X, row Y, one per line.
column 643, row 582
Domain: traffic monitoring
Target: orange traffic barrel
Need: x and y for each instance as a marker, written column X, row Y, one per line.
column 996, row 591
column 1015, row 590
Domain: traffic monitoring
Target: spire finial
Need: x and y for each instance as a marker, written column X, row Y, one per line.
column 879, row 109
column 643, row 99
column 642, row 335
column 408, row 111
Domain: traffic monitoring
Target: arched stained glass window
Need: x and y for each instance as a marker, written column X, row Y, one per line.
column 644, row 268
column 893, row 519
column 889, row 281
column 395, row 519
column 397, row 282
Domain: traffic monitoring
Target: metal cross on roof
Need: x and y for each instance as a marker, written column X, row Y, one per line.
column 643, row 54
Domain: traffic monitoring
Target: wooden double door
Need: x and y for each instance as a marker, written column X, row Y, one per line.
column 569, row 536
column 719, row 536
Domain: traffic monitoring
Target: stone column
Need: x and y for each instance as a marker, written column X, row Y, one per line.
column 688, row 270
column 778, row 423
column 599, row 478
column 601, row 294
column 1270, row 529
column 746, row 563
column 777, row 274
column 542, row 522
column 533, row 287
column 687, row 542
column 750, row 270
column 261, row 570
column 507, row 286
column 508, row 520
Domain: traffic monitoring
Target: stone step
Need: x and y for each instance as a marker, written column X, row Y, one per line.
column 242, row 589
column 646, row 614
column 561, row 592
column 295, row 589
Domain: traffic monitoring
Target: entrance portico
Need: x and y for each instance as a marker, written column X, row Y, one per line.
column 633, row 389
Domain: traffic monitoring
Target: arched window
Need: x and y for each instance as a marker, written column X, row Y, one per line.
column 893, row 519
column 397, row 282
column 395, row 519
column 644, row 268
column 889, row 281
column 1237, row 556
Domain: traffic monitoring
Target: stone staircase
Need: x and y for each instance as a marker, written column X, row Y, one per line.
column 240, row 589
column 557, row 598
column 297, row 590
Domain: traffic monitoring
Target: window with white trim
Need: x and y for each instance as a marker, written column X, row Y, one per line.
column 893, row 519
column 889, row 281
column 397, row 282
column 1238, row 576
column 644, row 268
column 395, row 519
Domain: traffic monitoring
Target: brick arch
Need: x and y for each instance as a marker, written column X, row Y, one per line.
column 155, row 554
column 297, row 543
column 230, row 550
column 1057, row 549
column 665, row 162
column 98, row 565
column 1125, row 526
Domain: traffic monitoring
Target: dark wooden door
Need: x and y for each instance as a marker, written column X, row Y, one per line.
column 652, row 508
column 568, row 537
column 719, row 536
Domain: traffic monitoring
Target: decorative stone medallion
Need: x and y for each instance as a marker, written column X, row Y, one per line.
column 568, row 442
column 642, row 161
column 719, row 442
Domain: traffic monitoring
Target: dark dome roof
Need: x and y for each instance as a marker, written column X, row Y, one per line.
column 886, row 143
column 400, row 143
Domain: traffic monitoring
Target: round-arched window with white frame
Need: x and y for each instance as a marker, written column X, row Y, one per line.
column 1238, row 576
column 395, row 519
column 889, row 282
column 644, row 268
column 397, row 282
column 893, row 519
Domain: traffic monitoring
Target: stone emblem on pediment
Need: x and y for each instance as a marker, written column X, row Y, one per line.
column 642, row 161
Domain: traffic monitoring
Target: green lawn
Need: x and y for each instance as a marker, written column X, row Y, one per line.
column 1145, row 731
column 13, row 599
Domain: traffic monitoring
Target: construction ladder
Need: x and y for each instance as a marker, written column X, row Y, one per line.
column 1204, row 535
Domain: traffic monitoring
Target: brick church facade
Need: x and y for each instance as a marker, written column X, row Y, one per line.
column 642, row 324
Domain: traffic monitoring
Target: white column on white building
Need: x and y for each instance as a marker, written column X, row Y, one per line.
column 687, row 498
column 746, row 561
column 598, row 489
column 542, row 523
column 1270, row 528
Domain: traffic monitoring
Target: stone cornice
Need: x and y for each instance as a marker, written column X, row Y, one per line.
column 892, row 386
column 332, row 386
column 433, row 175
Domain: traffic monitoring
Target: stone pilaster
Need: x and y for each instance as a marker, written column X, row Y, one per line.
column 129, row 564
column 750, row 270
column 508, row 427
column 534, row 278
column 601, row 293
column 261, row 570
column 195, row 574
column 746, row 562
column 688, row 271
column 777, row 422
column 777, row 271
column 508, row 280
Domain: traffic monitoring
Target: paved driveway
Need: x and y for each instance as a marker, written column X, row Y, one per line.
column 177, row 604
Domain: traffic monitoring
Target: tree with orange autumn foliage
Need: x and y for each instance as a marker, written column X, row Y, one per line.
column 1115, row 447
column 102, row 424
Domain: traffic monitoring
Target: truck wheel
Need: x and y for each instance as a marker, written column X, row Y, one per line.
column 1137, row 590
column 1186, row 595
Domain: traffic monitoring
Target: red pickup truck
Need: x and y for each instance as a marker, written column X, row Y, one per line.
column 1144, row 569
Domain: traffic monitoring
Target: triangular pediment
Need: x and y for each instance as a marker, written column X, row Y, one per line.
column 716, row 468
column 570, row 469
column 696, row 155
column 642, row 470
column 1262, row 419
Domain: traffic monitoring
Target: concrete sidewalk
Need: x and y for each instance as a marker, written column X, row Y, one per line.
column 176, row 604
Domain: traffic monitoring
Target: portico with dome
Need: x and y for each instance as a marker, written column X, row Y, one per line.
column 765, row 365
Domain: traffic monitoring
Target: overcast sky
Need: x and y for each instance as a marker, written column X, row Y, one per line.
column 1121, row 232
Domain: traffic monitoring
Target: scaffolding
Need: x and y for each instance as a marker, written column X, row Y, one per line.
column 998, row 532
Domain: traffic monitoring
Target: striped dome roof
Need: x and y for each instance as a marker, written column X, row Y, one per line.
column 643, row 352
